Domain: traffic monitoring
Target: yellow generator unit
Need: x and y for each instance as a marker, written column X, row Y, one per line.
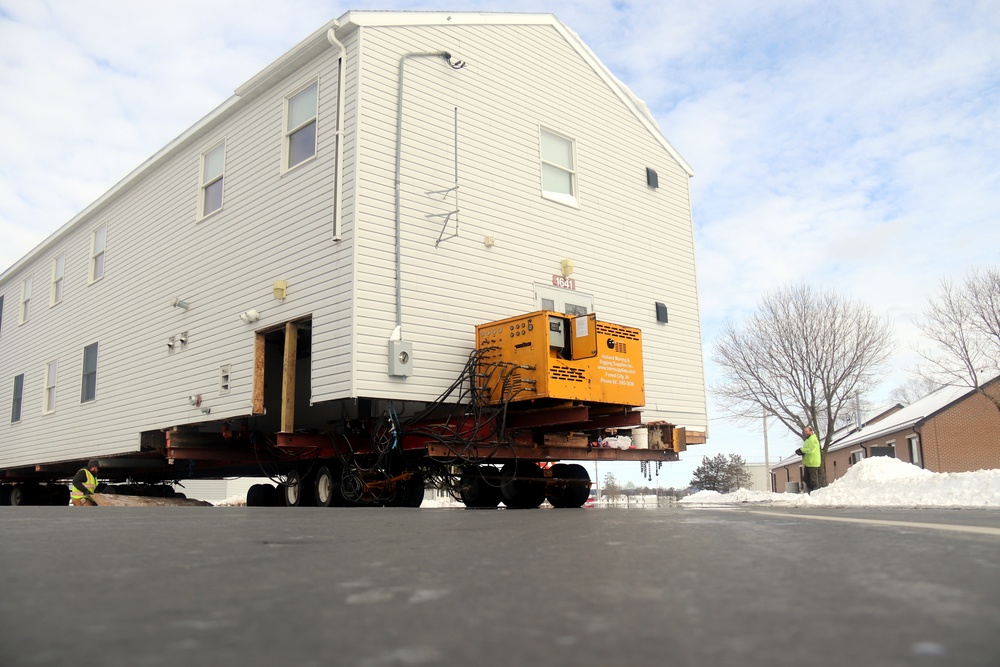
column 558, row 356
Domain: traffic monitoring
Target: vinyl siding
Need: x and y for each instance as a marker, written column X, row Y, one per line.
column 273, row 226
column 631, row 245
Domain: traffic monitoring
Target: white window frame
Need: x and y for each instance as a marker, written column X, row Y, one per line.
column 208, row 180
column 98, row 255
column 570, row 198
column 83, row 380
column 25, row 309
column 913, row 442
column 857, row 456
column 58, row 279
column 51, row 375
column 290, row 131
column 17, row 400
column 562, row 300
column 225, row 379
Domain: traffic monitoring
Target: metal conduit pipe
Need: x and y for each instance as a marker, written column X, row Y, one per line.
column 455, row 65
column 331, row 36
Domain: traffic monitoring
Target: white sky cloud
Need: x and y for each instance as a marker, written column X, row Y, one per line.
column 851, row 145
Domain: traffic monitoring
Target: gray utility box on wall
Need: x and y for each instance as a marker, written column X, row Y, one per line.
column 400, row 358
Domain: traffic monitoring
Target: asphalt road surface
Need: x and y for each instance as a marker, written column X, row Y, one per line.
column 383, row 587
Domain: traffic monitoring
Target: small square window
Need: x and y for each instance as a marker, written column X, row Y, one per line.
column 300, row 125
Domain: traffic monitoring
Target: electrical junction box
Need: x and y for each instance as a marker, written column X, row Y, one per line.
column 554, row 355
column 400, row 358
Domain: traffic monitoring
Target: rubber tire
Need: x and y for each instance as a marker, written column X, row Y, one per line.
column 569, row 495
column 257, row 496
column 479, row 487
column 20, row 495
column 60, row 497
column 326, row 487
column 409, row 493
column 527, row 491
column 299, row 490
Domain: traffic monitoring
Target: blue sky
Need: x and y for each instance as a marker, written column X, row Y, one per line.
column 851, row 145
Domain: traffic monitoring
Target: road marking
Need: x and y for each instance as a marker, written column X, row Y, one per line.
column 981, row 530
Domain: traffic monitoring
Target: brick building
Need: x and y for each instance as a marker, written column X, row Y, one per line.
column 954, row 429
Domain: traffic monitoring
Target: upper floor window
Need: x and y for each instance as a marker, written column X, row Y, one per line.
column 558, row 168
column 300, row 125
column 1, row 312
column 58, row 270
column 25, row 300
column 15, row 404
column 98, row 245
column 49, row 403
column 213, row 170
column 88, row 390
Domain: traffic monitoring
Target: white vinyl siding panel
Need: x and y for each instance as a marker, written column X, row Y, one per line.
column 272, row 227
column 449, row 289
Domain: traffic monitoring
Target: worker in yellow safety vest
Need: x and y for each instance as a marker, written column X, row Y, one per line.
column 84, row 485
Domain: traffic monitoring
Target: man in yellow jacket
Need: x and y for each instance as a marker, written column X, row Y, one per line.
column 810, row 459
column 84, row 485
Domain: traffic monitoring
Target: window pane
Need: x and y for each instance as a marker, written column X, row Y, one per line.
column 99, row 266
column 50, row 374
column 15, row 408
column 302, row 107
column 557, row 150
column 90, row 358
column 215, row 163
column 60, row 266
column 556, row 180
column 100, row 239
column 302, row 145
column 27, row 289
column 57, row 291
column 213, row 197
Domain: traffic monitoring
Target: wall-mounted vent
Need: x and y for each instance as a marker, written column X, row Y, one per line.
column 651, row 178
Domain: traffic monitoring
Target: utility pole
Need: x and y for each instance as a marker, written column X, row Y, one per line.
column 597, row 480
column 767, row 460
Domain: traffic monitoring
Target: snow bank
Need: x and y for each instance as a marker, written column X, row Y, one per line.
column 880, row 482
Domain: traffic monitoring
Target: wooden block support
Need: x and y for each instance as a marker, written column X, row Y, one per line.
column 288, row 379
column 257, row 398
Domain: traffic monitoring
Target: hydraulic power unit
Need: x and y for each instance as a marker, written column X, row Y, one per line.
column 553, row 355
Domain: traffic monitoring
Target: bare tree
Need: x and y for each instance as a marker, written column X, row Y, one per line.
column 913, row 390
column 963, row 322
column 801, row 359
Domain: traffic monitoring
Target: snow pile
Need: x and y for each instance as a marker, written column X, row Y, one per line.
column 878, row 482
